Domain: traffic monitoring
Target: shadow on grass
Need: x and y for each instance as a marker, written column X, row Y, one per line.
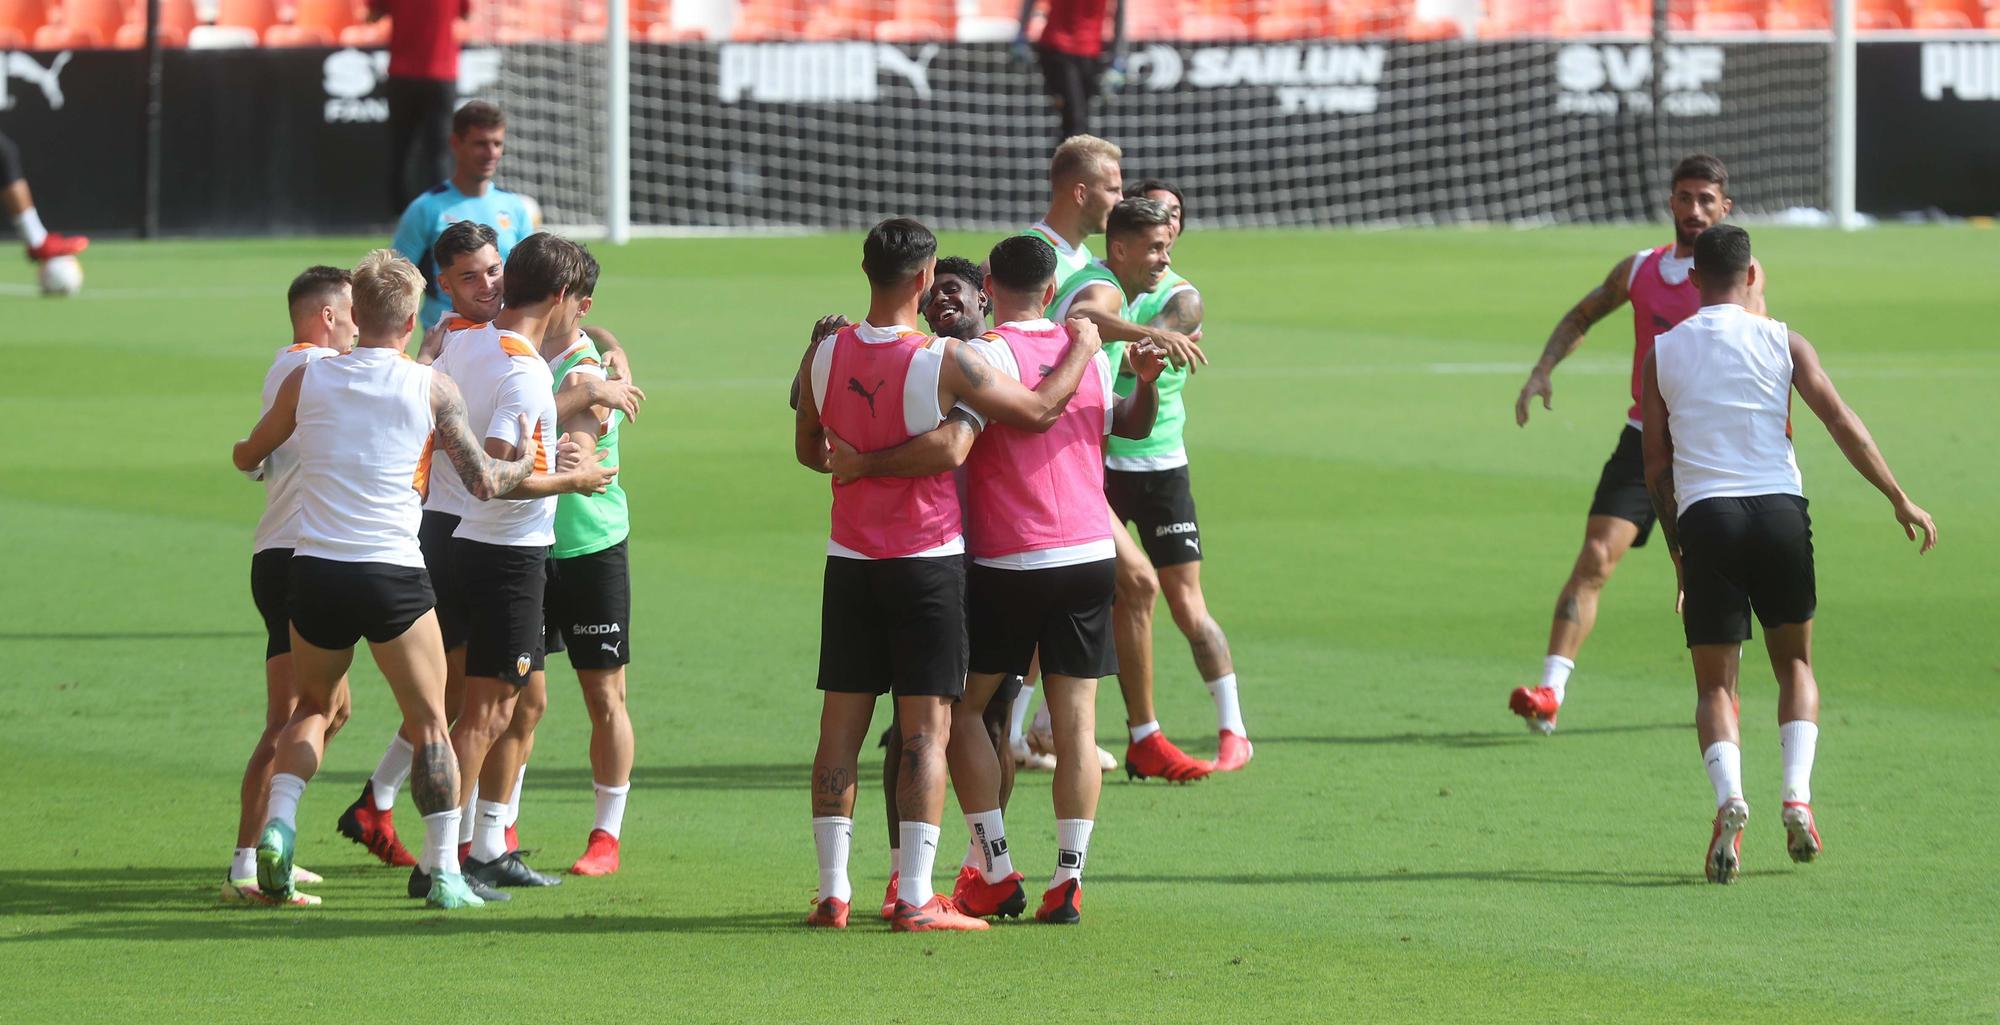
column 1528, row 876
column 382, row 919
column 127, row 635
column 1486, row 738
column 742, row 776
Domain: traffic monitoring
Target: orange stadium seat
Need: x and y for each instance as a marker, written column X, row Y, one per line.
column 1377, row 19
column 768, row 19
column 1729, row 15
column 1993, row 17
column 19, row 21
column 1948, row 14
column 1584, row 17
column 1152, row 19
column 1506, row 18
column 846, row 19
column 920, row 21
column 1292, row 19
column 258, row 16
column 533, row 21
column 80, row 25
column 1798, row 15
column 1218, row 20
column 177, row 18
column 1880, row 14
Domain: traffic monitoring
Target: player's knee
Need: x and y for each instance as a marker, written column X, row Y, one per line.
column 1138, row 589
column 1594, row 564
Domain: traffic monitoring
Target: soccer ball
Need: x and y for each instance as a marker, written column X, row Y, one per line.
column 61, row 275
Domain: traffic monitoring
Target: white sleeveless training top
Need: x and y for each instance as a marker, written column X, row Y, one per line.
column 279, row 526
column 364, row 449
column 1726, row 376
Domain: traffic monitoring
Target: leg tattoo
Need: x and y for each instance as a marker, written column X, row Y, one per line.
column 434, row 779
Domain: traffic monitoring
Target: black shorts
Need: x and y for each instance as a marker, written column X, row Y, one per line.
column 271, row 589
column 502, row 587
column 1161, row 503
column 893, row 626
column 1065, row 612
column 434, row 537
column 1744, row 554
column 1621, row 487
column 335, row 604
column 589, row 608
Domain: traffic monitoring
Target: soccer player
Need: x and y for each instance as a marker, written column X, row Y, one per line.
column 1138, row 246
column 1662, row 294
column 589, row 601
column 478, row 139
column 364, row 425
column 43, row 244
column 499, row 551
column 321, row 304
column 1716, row 396
column 1084, row 184
column 1071, row 54
column 894, row 616
column 1043, row 575
column 1147, row 483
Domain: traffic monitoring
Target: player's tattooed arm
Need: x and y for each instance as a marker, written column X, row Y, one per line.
column 967, row 377
column 1595, row 305
column 276, row 425
column 821, row 328
column 1813, row 386
column 485, row 477
column 1134, row 414
column 1099, row 303
column 926, row 455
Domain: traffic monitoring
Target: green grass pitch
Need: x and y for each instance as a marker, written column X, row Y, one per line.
column 1384, row 547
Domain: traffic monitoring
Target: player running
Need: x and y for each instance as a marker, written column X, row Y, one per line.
column 1716, row 399
column 1138, row 246
column 1043, row 575
column 894, row 616
column 321, row 305
column 364, row 425
column 499, row 551
column 43, row 245
column 478, row 140
column 1662, row 294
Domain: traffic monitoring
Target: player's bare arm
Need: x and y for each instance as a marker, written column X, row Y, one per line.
column 926, row 455
column 1100, row 304
column 616, row 363
column 433, row 343
column 821, row 328
column 583, row 391
column 1593, row 307
column 1134, row 414
column 1658, row 446
column 967, row 377
column 484, row 476
column 276, row 425
column 1813, row 386
column 809, row 435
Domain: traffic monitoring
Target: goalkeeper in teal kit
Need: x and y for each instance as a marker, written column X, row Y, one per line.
column 478, row 137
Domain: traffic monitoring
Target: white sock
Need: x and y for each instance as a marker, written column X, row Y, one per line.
column 832, row 835
column 514, row 802
column 286, row 789
column 1228, row 715
column 390, row 773
column 466, row 820
column 244, row 864
column 30, row 224
column 611, row 807
column 1072, row 848
column 1798, row 739
column 489, row 830
column 989, row 840
column 1144, row 730
column 1555, row 674
column 441, row 842
column 913, row 875
column 1725, row 770
column 1024, row 702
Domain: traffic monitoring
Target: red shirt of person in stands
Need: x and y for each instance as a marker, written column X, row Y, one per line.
column 422, row 89
column 1072, row 55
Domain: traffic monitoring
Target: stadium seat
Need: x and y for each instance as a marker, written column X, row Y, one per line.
column 920, row 21
column 1505, row 18
column 1588, row 17
column 992, row 21
column 1152, row 19
column 1798, row 15
column 1948, row 15
column 1217, row 21
column 1881, row 14
column 315, row 23
column 758, row 20
column 1993, row 17
column 81, row 25
column 534, row 21
column 177, row 19
column 1729, row 15
column 846, row 19
column 1292, row 19
column 19, row 21
column 256, row 15
column 1385, row 19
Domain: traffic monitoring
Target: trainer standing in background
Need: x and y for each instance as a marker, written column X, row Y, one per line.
column 423, row 90
column 478, row 139
column 1071, row 53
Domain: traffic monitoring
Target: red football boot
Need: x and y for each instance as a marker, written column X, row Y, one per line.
column 1537, row 705
column 1156, row 756
column 1725, row 845
column 513, row 839
column 1232, row 752
column 58, row 245
column 1062, row 905
column 889, row 898
column 375, row 830
column 981, row 899
column 938, row 914
column 830, row 913
column 600, row 855
column 1801, row 833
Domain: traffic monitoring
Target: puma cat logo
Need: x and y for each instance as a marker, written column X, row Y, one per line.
column 854, row 386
